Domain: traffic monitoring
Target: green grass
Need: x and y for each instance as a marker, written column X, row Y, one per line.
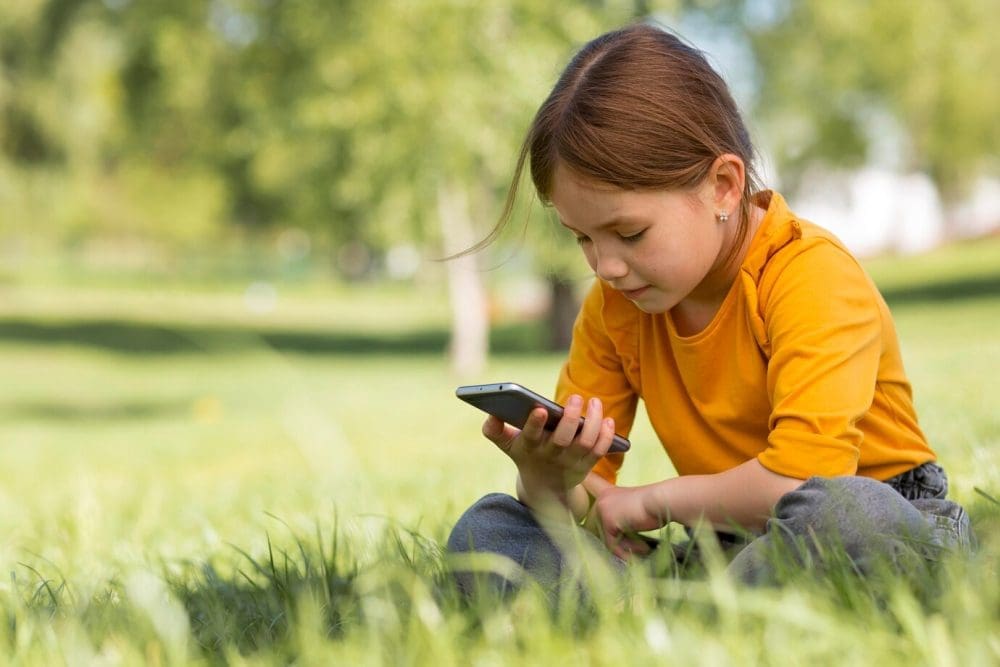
column 182, row 480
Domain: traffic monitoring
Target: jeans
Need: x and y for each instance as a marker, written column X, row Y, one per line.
column 903, row 522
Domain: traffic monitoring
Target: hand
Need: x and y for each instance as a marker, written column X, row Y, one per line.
column 623, row 511
column 552, row 462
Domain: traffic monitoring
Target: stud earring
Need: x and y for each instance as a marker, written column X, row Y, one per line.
column 722, row 217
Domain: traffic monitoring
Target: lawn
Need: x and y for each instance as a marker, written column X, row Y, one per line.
column 184, row 479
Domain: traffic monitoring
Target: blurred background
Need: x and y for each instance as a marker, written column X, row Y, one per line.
column 224, row 324
column 271, row 148
column 221, row 224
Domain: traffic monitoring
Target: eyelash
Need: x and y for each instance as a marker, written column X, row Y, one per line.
column 634, row 238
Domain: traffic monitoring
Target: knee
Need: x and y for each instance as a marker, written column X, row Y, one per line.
column 856, row 511
column 501, row 528
column 831, row 525
column 488, row 520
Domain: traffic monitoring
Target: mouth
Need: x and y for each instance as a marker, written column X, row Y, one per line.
column 633, row 294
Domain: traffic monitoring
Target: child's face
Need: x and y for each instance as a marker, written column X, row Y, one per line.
column 658, row 247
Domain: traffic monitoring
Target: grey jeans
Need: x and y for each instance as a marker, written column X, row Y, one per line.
column 903, row 522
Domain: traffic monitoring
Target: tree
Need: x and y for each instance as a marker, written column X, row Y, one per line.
column 835, row 73
column 442, row 94
column 367, row 122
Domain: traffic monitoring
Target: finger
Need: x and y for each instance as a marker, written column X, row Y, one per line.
column 627, row 548
column 604, row 439
column 634, row 543
column 567, row 427
column 534, row 427
column 591, row 429
column 625, row 543
column 612, row 539
column 610, row 533
column 500, row 434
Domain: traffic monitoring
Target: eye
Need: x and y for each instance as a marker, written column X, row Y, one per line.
column 632, row 238
column 581, row 240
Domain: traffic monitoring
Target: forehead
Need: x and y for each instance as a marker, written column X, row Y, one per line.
column 582, row 201
column 585, row 204
column 566, row 179
column 571, row 191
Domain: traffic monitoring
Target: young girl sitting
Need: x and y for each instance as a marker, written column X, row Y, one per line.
column 767, row 360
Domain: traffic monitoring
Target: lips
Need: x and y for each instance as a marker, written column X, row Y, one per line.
column 633, row 294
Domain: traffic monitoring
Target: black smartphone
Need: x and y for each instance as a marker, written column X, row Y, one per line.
column 513, row 403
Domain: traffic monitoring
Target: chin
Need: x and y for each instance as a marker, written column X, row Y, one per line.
column 652, row 308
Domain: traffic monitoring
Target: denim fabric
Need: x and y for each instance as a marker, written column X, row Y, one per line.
column 925, row 481
column 905, row 523
column 500, row 524
column 866, row 520
column 926, row 487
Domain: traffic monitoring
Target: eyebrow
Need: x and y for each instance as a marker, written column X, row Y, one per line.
column 616, row 220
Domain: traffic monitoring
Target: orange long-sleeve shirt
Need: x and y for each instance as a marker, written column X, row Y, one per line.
column 800, row 367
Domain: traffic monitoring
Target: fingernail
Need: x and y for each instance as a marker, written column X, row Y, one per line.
column 595, row 402
column 575, row 401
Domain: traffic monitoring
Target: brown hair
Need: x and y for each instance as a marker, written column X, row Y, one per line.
column 636, row 108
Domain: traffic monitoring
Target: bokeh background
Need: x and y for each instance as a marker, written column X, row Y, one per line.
column 222, row 307
column 229, row 348
column 270, row 146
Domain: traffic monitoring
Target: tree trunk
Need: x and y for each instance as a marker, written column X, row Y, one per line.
column 469, row 344
column 563, row 308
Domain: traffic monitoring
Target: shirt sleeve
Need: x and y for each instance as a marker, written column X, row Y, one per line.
column 824, row 326
column 594, row 368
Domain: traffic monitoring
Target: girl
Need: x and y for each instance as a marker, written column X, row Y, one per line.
column 766, row 358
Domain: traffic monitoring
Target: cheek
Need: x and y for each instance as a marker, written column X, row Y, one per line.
column 655, row 261
column 663, row 266
column 589, row 255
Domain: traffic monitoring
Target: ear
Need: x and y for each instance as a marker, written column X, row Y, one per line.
column 727, row 177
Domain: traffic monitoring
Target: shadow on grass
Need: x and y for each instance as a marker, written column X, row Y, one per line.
column 253, row 609
column 124, row 410
column 135, row 337
column 951, row 290
column 142, row 338
column 317, row 583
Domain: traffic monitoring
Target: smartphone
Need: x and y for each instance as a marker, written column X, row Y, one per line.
column 513, row 403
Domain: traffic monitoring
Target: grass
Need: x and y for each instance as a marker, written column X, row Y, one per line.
column 184, row 480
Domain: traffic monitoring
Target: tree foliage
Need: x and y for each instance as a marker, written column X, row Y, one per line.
column 181, row 118
column 840, row 79
column 341, row 117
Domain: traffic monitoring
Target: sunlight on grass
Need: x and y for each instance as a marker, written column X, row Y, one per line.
column 232, row 495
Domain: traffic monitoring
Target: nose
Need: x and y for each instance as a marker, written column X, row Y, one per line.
column 608, row 265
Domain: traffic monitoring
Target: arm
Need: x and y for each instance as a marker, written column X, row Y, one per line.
column 579, row 500
column 742, row 496
column 824, row 333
